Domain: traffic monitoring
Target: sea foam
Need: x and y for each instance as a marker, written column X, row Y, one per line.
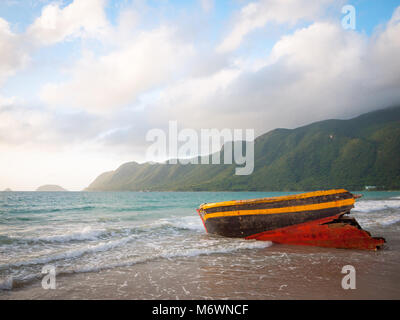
column 376, row 205
column 70, row 254
column 235, row 245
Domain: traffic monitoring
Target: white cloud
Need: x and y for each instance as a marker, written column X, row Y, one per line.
column 6, row 101
column 81, row 18
column 18, row 125
column 13, row 55
column 385, row 52
column 257, row 14
column 189, row 100
column 207, row 5
column 101, row 84
column 318, row 72
column 60, row 148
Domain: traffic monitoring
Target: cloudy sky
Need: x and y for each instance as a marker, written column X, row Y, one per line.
column 82, row 81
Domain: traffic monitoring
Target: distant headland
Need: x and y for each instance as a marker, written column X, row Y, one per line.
column 51, row 188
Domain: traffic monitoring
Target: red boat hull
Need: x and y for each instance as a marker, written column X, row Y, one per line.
column 331, row 232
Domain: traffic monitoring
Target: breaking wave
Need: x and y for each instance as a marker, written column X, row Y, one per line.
column 235, row 245
column 376, row 205
column 87, row 233
column 7, row 284
column 388, row 221
column 70, row 254
column 181, row 253
column 188, row 223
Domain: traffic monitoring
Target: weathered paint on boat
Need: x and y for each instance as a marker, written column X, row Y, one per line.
column 313, row 218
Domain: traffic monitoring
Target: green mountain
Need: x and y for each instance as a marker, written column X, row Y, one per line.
column 364, row 151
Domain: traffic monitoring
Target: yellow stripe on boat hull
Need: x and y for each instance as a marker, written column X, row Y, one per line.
column 266, row 200
column 310, row 207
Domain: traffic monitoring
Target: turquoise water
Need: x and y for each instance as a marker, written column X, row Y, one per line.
column 89, row 232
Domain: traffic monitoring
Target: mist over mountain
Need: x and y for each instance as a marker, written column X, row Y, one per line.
column 363, row 151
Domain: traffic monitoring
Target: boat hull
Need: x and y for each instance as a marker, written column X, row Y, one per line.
column 314, row 218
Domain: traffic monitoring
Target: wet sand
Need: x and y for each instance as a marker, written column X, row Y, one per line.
column 276, row 272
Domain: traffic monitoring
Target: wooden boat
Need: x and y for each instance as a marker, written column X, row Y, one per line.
column 313, row 218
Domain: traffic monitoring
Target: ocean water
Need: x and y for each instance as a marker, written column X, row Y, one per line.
column 92, row 233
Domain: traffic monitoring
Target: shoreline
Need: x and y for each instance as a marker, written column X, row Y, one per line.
column 276, row 272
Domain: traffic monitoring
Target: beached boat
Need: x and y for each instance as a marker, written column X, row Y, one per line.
column 313, row 218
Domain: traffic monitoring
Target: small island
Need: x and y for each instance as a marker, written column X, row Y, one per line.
column 7, row 190
column 51, row 188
